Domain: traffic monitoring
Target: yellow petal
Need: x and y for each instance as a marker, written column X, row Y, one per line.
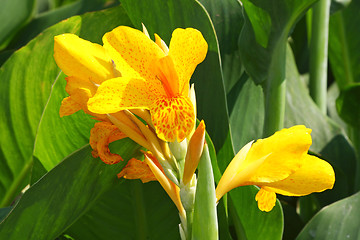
column 187, row 48
column 132, row 52
column 315, row 175
column 80, row 91
column 194, row 152
column 284, row 151
column 101, row 135
column 173, row 118
column 122, row 93
column 266, row 200
column 68, row 107
column 83, row 59
column 136, row 169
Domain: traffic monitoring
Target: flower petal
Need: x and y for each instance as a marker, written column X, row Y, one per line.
column 136, row 50
column 136, row 169
column 284, row 151
column 81, row 58
column 122, row 93
column 101, row 135
column 68, row 107
column 188, row 48
column 173, row 118
column 315, row 175
column 266, row 200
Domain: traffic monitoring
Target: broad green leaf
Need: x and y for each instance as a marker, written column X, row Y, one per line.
column 228, row 20
column 347, row 104
column 31, row 82
column 344, row 41
column 131, row 210
column 162, row 17
column 266, row 29
column 14, row 14
column 256, row 224
column 335, row 222
column 49, row 18
column 63, row 195
column 205, row 222
column 337, row 5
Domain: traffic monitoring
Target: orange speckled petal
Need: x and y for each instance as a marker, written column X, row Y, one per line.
column 266, row 200
column 283, row 150
column 81, row 58
column 135, row 48
column 188, row 48
column 101, row 135
column 173, row 118
column 68, row 107
column 136, row 169
column 315, row 175
column 122, row 93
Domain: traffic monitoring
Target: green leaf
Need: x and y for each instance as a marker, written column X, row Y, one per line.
column 337, row 221
column 228, row 20
column 64, row 194
column 31, row 93
column 344, row 40
column 256, row 224
column 205, row 223
column 266, row 29
column 131, row 210
column 162, row 19
column 347, row 104
column 14, row 14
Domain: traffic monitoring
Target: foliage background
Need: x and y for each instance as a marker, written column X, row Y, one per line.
column 75, row 196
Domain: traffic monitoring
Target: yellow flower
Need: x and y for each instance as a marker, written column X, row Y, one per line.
column 278, row 164
column 152, row 79
column 87, row 65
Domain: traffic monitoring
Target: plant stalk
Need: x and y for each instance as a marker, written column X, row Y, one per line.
column 319, row 53
column 274, row 91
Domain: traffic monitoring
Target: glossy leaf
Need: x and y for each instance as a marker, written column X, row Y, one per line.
column 347, row 104
column 64, row 194
column 130, row 210
column 338, row 221
column 14, row 14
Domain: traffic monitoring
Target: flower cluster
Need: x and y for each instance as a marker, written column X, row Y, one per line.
column 139, row 88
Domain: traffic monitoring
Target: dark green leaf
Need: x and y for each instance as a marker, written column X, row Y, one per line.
column 13, row 15
column 63, row 195
column 131, row 210
column 347, row 104
column 338, row 221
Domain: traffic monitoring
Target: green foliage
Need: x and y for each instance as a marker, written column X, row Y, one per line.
column 74, row 196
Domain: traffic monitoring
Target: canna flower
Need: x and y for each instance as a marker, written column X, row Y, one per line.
column 86, row 65
column 152, row 78
column 278, row 164
column 136, row 169
column 101, row 135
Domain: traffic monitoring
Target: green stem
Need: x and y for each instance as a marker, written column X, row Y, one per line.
column 319, row 53
column 275, row 90
column 140, row 213
column 14, row 187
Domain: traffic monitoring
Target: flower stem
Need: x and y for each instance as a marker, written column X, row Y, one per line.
column 274, row 91
column 319, row 53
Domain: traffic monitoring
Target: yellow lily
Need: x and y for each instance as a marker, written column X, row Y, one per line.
column 278, row 164
column 152, row 79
